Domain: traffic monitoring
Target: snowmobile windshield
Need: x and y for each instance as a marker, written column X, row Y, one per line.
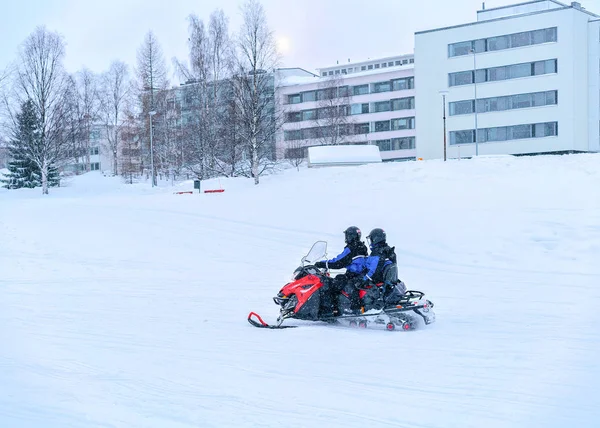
column 316, row 253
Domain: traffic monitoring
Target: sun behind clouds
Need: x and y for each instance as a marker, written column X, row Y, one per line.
column 283, row 44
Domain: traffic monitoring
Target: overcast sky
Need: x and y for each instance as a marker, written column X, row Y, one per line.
column 313, row 33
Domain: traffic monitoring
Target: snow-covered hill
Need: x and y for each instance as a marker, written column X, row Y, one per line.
column 125, row 306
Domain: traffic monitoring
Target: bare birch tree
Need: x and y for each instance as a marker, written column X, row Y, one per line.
column 130, row 155
column 113, row 101
column 254, row 86
column 151, row 79
column 294, row 153
column 333, row 111
column 72, row 127
column 207, row 93
column 40, row 77
column 89, row 104
column 195, row 96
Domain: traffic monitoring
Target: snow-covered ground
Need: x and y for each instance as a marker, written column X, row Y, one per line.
column 126, row 306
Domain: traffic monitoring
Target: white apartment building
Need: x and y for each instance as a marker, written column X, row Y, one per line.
column 100, row 156
column 525, row 76
column 376, row 98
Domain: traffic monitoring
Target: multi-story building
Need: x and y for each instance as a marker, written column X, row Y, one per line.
column 99, row 158
column 522, row 79
column 375, row 102
column 187, row 98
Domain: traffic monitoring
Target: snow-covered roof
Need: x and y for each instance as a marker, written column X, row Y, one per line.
column 298, row 80
column 303, row 80
column 356, row 154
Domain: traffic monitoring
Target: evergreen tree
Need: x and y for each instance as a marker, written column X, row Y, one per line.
column 23, row 172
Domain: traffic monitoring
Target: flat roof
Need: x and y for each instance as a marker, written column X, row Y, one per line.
column 522, row 4
column 307, row 80
column 502, row 18
column 297, row 68
column 368, row 61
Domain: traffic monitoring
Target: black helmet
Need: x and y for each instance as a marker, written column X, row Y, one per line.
column 352, row 234
column 376, row 236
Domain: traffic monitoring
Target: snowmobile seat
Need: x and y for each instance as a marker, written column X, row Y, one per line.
column 393, row 288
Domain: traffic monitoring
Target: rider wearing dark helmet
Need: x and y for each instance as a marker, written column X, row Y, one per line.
column 352, row 258
column 354, row 247
column 381, row 255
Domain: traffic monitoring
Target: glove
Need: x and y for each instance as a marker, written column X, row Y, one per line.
column 320, row 264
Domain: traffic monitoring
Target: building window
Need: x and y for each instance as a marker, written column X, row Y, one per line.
column 130, row 152
column 505, row 72
column 294, row 99
column 363, row 68
column 309, row 115
column 508, row 41
column 361, row 90
column 359, row 108
column 94, row 151
column 95, row 166
column 412, row 61
column 309, row 96
column 407, row 103
column 324, row 74
column 505, row 133
column 95, row 134
column 296, row 153
column 295, row 134
column 462, row 137
column 384, row 65
column 381, row 106
column 403, row 123
column 381, row 87
column 295, row 116
column 361, row 128
column 461, row 107
column 384, row 145
column 405, row 143
column 382, row 126
column 376, row 65
column 509, row 102
column 402, row 84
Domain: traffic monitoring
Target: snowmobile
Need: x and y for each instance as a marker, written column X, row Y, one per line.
column 387, row 303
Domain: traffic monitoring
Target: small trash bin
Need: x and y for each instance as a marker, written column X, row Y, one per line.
column 197, row 185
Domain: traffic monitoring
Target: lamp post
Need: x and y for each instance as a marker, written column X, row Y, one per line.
column 151, row 113
column 444, row 93
column 475, row 106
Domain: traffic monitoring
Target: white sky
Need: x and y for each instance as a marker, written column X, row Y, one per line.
column 317, row 32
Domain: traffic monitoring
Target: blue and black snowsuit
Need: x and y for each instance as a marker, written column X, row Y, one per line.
column 372, row 272
column 352, row 258
column 381, row 256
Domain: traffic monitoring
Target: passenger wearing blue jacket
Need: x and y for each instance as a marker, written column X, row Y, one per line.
column 352, row 258
column 381, row 255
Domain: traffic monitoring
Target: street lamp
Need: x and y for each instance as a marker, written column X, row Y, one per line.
column 444, row 93
column 151, row 113
column 475, row 105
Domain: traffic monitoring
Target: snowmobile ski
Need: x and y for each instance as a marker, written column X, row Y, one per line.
column 261, row 324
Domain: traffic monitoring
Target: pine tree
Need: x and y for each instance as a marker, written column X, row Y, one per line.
column 23, row 172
